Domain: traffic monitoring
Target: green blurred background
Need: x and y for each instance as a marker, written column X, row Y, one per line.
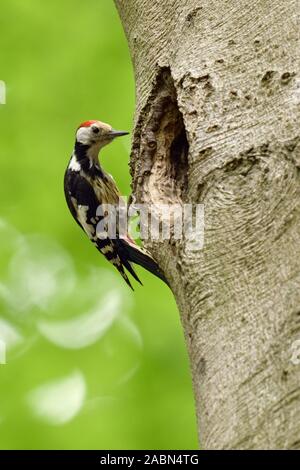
column 89, row 365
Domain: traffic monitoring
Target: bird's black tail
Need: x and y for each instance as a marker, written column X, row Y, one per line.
column 137, row 255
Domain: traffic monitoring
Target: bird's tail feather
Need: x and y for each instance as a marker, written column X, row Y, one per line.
column 129, row 268
column 137, row 255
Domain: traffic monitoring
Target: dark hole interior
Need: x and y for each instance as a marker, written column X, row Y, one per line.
column 179, row 154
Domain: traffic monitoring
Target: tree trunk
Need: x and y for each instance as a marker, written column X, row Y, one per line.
column 217, row 122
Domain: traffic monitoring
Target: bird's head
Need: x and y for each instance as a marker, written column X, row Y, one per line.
column 96, row 134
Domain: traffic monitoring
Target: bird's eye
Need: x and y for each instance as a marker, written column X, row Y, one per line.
column 95, row 130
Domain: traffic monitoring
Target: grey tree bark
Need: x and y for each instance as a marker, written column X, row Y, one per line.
column 217, row 122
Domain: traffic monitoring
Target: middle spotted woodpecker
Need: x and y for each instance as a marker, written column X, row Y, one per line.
column 88, row 187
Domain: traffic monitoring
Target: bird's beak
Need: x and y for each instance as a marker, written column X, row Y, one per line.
column 114, row 133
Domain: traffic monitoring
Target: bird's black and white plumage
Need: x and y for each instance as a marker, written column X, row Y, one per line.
column 87, row 186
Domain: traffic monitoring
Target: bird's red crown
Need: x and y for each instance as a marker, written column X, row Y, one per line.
column 87, row 123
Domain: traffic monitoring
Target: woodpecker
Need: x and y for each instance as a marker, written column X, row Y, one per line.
column 88, row 187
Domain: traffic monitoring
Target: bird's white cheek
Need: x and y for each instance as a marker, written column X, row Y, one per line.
column 83, row 135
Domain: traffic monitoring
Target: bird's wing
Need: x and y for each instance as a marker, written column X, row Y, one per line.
column 82, row 202
column 83, row 205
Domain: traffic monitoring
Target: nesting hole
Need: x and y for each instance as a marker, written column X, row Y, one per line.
column 165, row 145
